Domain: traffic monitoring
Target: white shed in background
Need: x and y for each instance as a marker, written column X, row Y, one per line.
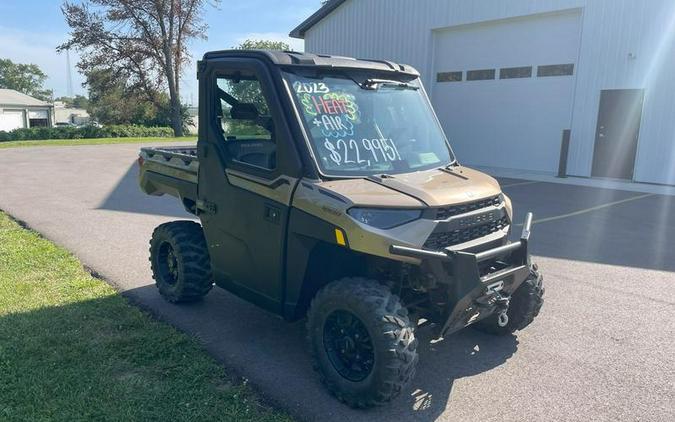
column 507, row 77
column 69, row 115
column 19, row 110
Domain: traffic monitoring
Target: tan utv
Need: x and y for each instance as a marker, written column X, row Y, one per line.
column 327, row 190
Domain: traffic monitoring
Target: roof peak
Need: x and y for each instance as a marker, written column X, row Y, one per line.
column 325, row 10
column 13, row 97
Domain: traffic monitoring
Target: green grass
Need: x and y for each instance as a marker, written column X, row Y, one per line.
column 93, row 141
column 72, row 348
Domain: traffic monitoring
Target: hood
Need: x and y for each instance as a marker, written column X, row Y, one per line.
column 412, row 190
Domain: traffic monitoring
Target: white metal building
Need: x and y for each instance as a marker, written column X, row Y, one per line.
column 19, row 110
column 69, row 115
column 508, row 76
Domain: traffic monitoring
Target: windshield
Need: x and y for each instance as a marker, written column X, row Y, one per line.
column 368, row 128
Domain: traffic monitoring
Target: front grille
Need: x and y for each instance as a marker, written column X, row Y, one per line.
column 439, row 241
column 447, row 212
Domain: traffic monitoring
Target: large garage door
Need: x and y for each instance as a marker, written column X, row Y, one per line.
column 503, row 89
column 11, row 119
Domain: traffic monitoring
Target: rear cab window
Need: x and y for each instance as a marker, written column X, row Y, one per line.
column 246, row 123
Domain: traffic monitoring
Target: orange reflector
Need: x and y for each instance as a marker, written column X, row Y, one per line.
column 340, row 237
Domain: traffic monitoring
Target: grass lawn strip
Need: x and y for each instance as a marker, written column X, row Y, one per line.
column 72, row 348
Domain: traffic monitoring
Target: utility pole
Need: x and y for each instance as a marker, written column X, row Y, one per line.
column 69, row 71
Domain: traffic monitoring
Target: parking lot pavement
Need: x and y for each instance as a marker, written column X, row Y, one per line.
column 602, row 349
column 598, row 225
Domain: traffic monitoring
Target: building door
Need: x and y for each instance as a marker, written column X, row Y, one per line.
column 503, row 89
column 38, row 118
column 617, row 133
column 11, row 119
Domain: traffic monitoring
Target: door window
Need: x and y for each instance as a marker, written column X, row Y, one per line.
column 245, row 121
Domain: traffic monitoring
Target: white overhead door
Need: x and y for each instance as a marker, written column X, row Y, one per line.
column 11, row 119
column 503, row 89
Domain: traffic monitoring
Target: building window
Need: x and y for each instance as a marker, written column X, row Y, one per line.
column 38, row 118
column 38, row 122
column 449, row 77
column 556, row 70
column 515, row 72
column 480, row 75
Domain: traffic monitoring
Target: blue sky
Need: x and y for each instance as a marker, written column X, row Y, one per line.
column 30, row 30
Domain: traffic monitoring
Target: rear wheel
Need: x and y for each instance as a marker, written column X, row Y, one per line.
column 524, row 306
column 180, row 263
column 362, row 342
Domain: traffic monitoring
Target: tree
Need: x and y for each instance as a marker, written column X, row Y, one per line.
column 68, row 101
column 79, row 101
column 111, row 101
column 141, row 42
column 26, row 78
column 249, row 91
column 263, row 45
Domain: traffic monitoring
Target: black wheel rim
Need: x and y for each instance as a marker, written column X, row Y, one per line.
column 167, row 263
column 348, row 345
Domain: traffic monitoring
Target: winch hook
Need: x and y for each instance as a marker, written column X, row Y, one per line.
column 502, row 319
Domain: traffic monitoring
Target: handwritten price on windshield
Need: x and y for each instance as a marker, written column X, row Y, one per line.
column 349, row 152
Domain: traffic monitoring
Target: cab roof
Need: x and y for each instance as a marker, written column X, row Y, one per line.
column 308, row 60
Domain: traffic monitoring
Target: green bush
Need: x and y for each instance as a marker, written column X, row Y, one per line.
column 67, row 132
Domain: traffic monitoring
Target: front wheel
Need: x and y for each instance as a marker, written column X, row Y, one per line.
column 361, row 341
column 524, row 306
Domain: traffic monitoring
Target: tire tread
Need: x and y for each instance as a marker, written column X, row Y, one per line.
column 392, row 323
column 187, row 239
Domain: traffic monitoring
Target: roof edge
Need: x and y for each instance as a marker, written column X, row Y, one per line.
column 290, row 59
column 19, row 105
column 325, row 10
column 12, row 97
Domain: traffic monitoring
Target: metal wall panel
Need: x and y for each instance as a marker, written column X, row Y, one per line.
column 624, row 44
column 628, row 44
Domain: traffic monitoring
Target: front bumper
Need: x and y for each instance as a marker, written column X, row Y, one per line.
column 478, row 283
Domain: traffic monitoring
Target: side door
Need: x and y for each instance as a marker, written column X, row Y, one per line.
column 617, row 133
column 247, row 174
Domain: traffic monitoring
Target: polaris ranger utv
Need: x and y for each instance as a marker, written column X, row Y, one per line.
column 327, row 189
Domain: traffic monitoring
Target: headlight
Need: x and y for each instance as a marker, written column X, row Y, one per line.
column 384, row 218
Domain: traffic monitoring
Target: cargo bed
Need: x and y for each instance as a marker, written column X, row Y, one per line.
column 170, row 170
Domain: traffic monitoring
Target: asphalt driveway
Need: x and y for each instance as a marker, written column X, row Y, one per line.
column 602, row 349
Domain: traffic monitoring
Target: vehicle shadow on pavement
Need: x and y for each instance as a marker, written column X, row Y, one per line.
column 126, row 196
column 271, row 354
column 463, row 354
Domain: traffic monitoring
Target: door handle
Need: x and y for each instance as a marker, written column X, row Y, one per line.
column 206, row 207
column 272, row 214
